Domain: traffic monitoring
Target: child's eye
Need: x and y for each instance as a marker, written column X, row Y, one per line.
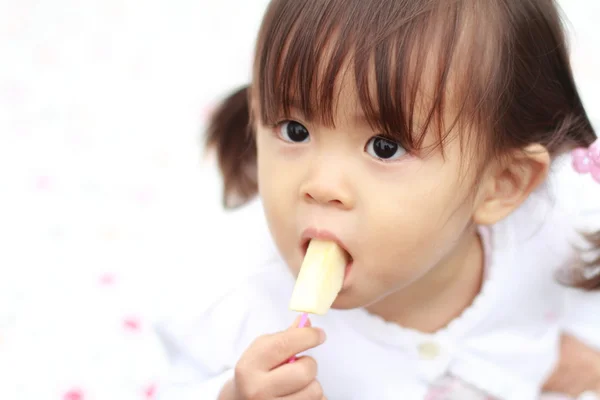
column 292, row 131
column 384, row 149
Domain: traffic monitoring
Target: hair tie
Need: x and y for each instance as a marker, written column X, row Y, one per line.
column 587, row 160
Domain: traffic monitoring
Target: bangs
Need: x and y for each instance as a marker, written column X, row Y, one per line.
column 398, row 55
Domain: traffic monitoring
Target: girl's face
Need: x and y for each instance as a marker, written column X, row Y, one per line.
column 398, row 215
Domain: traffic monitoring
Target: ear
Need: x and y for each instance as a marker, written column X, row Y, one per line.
column 510, row 183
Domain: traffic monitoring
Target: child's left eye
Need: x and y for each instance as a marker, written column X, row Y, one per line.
column 293, row 132
column 384, row 149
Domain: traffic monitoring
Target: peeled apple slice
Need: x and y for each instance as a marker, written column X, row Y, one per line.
column 320, row 279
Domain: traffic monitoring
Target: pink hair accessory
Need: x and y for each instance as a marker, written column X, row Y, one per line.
column 588, row 160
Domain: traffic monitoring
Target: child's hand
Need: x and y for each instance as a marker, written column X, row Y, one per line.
column 262, row 373
column 578, row 369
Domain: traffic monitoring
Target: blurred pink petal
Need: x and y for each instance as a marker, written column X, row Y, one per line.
column 132, row 324
column 73, row 394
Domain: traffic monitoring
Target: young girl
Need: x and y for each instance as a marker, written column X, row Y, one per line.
column 419, row 135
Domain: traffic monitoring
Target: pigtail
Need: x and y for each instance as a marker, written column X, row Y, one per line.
column 587, row 268
column 230, row 136
column 591, row 275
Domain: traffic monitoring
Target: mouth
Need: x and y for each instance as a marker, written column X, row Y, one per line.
column 311, row 233
column 306, row 241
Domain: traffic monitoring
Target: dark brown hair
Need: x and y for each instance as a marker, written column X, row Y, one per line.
column 229, row 134
column 578, row 276
column 499, row 68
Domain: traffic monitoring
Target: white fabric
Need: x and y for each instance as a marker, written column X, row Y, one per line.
column 504, row 344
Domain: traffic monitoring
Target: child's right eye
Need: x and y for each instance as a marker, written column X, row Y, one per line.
column 293, row 132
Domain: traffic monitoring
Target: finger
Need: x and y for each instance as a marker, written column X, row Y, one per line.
column 565, row 381
column 552, row 381
column 568, row 384
column 313, row 391
column 291, row 378
column 305, row 324
column 558, row 382
column 270, row 351
column 572, row 385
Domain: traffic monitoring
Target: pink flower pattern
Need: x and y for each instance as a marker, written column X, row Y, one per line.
column 587, row 160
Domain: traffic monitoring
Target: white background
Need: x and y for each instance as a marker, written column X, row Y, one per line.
column 102, row 179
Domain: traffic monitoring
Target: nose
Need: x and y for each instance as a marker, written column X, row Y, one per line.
column 327, row 185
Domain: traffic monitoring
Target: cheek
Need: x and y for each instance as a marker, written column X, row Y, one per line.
column 275, row 177
column 277, row 165
column 268, row 168
column 413, row 226
column 277, row 188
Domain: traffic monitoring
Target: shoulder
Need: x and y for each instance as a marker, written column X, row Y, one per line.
column 265, row 291
column 248, row 271
column 215, row 333
column 234, row 248
column 240, row 291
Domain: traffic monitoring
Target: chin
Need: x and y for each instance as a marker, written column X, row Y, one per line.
column 348, row 300
column 337, row 306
